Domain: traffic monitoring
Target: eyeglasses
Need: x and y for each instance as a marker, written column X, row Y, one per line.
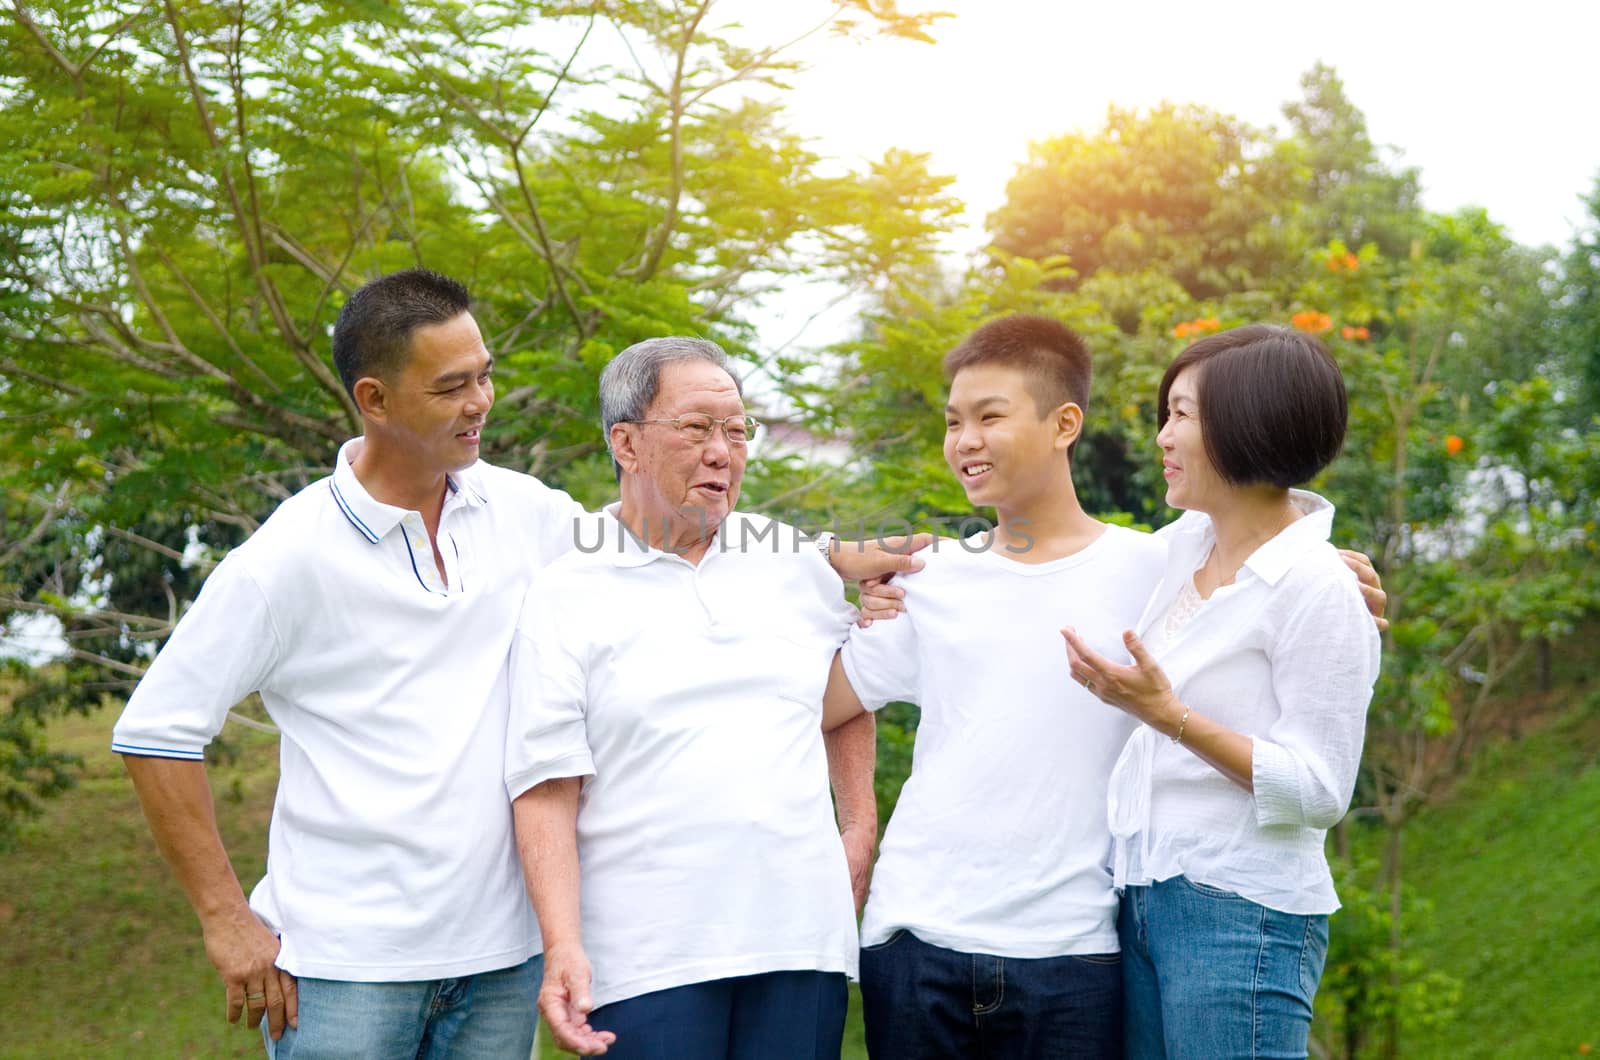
column 698, row 427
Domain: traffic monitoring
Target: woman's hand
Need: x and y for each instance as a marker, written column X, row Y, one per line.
column 1141, row 690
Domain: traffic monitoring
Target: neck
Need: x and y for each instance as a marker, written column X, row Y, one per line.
column 392, row 479
column 1045, row 527
column 688, row 535
column 1254, row 516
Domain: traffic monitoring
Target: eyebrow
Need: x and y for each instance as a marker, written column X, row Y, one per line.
column 983, row 403
column 452, row 378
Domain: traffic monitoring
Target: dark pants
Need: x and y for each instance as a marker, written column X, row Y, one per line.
column 775, row 1016
column 923, row 1002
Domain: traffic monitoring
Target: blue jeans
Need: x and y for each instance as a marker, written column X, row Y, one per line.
column 922, row 1001
column 1211, row 975
column 492, row 1015
column 773, row 1016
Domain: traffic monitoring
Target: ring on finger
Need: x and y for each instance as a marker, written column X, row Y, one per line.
column 258, row 996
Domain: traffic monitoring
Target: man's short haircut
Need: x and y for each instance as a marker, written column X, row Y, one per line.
column 372, row 336
column 633, row 378
column 1272, row 404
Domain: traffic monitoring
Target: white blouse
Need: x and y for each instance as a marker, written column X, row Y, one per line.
column 1286, row 655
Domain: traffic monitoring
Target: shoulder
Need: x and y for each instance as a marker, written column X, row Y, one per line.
column 297, row 532
column 1318, row 581
column 494, row 482
column 1134, row 544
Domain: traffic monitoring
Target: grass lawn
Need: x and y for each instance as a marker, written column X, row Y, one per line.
column 100, row 955
column 1511, row 863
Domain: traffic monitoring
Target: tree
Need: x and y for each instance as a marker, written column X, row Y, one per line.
column 190, row 190
column 1579, row 315
column 1195, row 197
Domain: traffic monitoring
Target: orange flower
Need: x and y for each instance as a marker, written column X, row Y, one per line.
column 1312, row 321
column 1583, row 1048
column 1199, row 326
column 1351, row 262
column 1358, row 334
column 1346, row 261
column 1453, row 444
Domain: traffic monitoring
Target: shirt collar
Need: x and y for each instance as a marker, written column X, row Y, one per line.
column 626, row 550
column 1273, row 560
column 1194, row 535
column 372, row 517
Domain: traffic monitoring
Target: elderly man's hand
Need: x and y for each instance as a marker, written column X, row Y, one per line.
column 877, row 557
column 565, row 1001
column 860, row 843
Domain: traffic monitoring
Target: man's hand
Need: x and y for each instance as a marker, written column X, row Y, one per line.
column 860, row 843
column 244, row 953
column 1371, row 585
column 565, row 1001
column 856, row 561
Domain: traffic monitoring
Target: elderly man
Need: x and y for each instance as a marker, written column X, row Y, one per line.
column 665, row 735
column 373, row 612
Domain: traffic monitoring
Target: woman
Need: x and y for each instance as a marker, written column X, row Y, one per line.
column 1252, row 682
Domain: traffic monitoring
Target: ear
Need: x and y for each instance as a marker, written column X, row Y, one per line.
column 1069, row 424
column 623, row 450
column 372, row 398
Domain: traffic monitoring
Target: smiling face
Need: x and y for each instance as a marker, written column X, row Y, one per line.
column 1002, row 450
column 435, row 407
column 1192, row 479
column 692, row 486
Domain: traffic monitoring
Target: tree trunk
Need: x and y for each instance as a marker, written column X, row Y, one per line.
column 1392, row 867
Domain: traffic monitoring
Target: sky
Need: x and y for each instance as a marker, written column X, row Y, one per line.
column 1499, row 106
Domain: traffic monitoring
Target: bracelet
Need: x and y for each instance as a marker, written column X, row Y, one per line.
column 824, row 542
column 1182, row 724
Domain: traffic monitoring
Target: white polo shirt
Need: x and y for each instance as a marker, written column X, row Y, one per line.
column 998, row 843
column 690, row 696
column 391, row 855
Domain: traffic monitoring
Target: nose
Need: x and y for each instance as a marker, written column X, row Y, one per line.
column 481, row 399
column 968, row 439
column 1164, row 435
column 715, row 450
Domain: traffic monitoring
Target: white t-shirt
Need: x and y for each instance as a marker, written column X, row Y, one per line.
column 691, row 698
column 998, row 844
column 390, row 855
column 1286, row 655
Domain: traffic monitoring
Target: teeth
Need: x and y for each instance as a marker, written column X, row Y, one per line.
column 978, row 469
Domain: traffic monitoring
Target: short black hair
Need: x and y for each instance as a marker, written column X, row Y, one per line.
column 372, row 336
column 1272, row 403
column 1051, row 356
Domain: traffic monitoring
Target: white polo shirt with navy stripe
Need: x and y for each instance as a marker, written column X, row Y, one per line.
column 391, row 852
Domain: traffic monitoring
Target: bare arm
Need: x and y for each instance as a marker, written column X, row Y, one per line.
column 852, row 750
column 839, row 700
column 176, row 798
column 546, row 821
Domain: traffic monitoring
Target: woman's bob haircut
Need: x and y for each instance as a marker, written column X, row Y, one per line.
column 1271, row 401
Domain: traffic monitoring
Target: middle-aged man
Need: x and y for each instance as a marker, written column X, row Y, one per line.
column 373, row 612
column 665, row 737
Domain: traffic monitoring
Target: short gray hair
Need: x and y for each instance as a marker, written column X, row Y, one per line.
column 633, row 378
